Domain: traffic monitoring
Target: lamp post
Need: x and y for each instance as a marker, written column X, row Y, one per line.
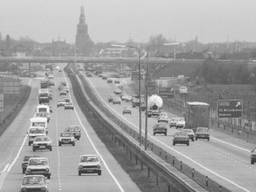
column 138, row 50
column 146, row 113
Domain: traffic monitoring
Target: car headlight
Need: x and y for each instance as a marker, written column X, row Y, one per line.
column 28, row 170
column 98, row 166
column 80, row 166
column 47, row 169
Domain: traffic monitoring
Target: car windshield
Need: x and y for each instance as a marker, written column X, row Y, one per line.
column 42, row 109
column 38, row 162
column 160, row 125
column 89, row 159
column 33, row 180
column 36, row 131
column 42, row 139
column 181, row 134
column 39, row 124
column 188, row 130
column 66, row 134
column 26, row 158
column 202, row 129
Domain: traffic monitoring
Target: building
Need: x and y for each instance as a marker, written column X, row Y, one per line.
column 84, row 44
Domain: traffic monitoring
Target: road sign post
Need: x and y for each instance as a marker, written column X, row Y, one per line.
column 230, row 108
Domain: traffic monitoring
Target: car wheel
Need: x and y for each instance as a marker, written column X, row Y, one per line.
column 99, row 172
column 192, row 139
column 208, row 139
column 165, row 134
column 33, row 149
column 59, row 143
column 48, row 176
column 29, row 143
column 79, row 173
column 187, row 143
column 196, row 138
column 154, row 134
column 173, row 143
column 252, row 161
column 50, row 148
column 73, row 143
column 23, row 171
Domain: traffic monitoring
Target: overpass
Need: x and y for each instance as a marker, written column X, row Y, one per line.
column 71, row 59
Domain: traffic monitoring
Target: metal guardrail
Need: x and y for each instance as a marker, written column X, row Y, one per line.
column 156, row 164
column 202, row 180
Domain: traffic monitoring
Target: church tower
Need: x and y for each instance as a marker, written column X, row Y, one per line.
column 84, row 44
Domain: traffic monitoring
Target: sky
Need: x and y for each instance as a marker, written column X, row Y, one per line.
column 120, row 20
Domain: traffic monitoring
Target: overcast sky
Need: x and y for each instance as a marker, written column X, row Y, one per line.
column 210, row 20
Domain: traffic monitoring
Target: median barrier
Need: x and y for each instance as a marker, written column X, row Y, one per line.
column 196, row 176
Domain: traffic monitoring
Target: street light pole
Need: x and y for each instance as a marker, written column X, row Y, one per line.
column 146, row 114
column 140, row 138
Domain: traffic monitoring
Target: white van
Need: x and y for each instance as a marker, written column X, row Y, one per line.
column 39, row 122
column 34, row 132
column 43, row 109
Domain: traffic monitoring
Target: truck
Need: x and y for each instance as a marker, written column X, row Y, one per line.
column 155, row 103
column 44, row 96
column 38, row 126
column 196, row 115
column 43, row 111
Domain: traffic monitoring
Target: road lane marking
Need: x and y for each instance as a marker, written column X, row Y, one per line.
column 93, row 145
column 58, row 152
column 167, row 146
column 232, row 145
column 5, row 168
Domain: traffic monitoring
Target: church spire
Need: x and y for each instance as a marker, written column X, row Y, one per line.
column 82, row 16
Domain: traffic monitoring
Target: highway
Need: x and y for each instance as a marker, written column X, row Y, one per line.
column 63, row 159
column 223, row 159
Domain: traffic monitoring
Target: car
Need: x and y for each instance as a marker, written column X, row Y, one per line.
column 202, row 133
column 180, row 124
column 75, row 130
column 117, row 91
column 24, row 163
column 67, row 100
column 110, row 99
column 61, row 103
column 116, row 81
column 163, row 120
column 63, row 93
column 116, row 100
column 66, row 138
column 163, row 115
column 160, row 128
column 135, row 102
column 42, row 142
column 180, row 138
column 69, row 105
column 38, row 166
column 253, row 156
column 172, row 122
column 104, row 77
column 109, row 81
column 127, row 110
column 34, row 132
column 190, row 133
column 34, row 183
column 89, row 164
column 126, row 98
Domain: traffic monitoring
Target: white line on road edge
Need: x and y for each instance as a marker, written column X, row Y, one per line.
column 58, row 154
column 232, row 145
column 5, row 168
column 18, row 154
column 94, row 147
column 162, row 143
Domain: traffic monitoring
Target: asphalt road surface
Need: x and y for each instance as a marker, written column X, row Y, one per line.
column 64, row 159
column 223, row 158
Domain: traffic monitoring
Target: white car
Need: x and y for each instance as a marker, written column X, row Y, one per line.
column 34, row 132
column 34, row 183
column 67, row 138
column 89, row 164
column 38, row 166
column 127, row 98
column 116, row 100
column 61, row 103
column 42, row 142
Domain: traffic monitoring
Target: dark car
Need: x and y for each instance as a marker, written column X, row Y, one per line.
column 180, row 138
column 253, row 156
column 24, row 163
column 127, row 110
column 190, row 133
column 75, row 129
column 109, row 81
column 202, row 133
column 160, row 128
column 68, row 105
column 110, row 99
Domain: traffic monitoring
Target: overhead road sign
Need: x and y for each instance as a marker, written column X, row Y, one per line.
column 230, row 108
